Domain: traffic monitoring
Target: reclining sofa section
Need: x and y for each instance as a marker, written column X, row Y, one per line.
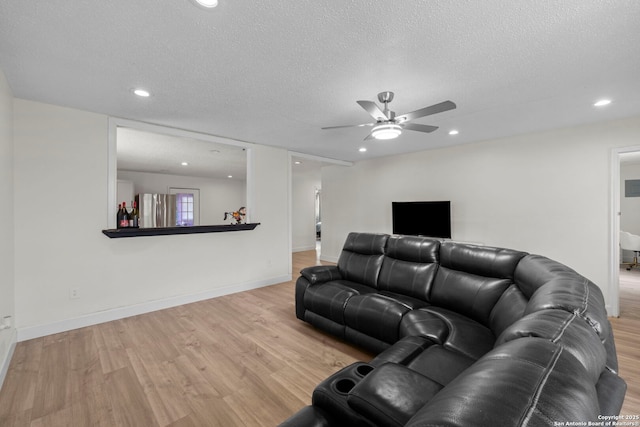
column 465, row 336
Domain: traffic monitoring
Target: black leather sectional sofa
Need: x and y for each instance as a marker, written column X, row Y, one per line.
column 465, row 336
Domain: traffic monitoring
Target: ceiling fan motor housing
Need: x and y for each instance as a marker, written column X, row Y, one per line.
column 385, row 97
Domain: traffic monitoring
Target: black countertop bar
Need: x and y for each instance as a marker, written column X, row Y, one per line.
column 116, row 233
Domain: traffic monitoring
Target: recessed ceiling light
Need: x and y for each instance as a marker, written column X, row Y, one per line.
column 297, row 162
column 206, row 3
column 184, row 164
column 229, row 176
column 141, row 92
column 362, row 149
column 453, row 132
column 602, row 103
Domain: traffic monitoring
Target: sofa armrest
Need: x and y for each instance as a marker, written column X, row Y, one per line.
column 309, row 416
column 321, row 273
column 391, row 394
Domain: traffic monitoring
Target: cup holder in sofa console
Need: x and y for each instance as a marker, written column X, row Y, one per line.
column 344, row 385
column 363, row 370
column 331, row 394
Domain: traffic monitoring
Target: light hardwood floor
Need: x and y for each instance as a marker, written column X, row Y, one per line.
column 626, row 330
column 237, row 360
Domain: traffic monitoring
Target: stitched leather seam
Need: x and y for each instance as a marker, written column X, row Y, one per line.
column 564, row 327
column 586, row 297
column 536, row 398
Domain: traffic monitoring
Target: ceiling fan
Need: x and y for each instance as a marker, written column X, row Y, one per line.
column 388, row 125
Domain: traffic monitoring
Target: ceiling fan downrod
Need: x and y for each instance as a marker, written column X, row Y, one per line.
column 386, row 98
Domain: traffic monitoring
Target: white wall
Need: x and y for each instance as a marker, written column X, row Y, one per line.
column 217, row 196
column 546, row 193
column 7, row 336
column 303, row 224
column 61, row 192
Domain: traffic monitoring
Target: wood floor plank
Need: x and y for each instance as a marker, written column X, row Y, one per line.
column 238, row 360
column 19, row 389
column 215, row 413
column 111, row 349
column 53, row 386
column 128, row 400
column 626, row 329
column 165, row 404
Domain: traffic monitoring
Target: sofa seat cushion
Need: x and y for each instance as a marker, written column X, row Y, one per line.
column 439, row 364
column 329, row 299
column 454, row 331
column 409, row 302
column 391, row 394
column 375, row 315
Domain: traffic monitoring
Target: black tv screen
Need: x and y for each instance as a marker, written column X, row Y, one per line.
column 432, row 219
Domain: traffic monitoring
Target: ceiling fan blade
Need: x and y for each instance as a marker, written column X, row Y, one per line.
column 427, row 111
column 373, row 109
column 349, row 126
column 418, row 127
column 368, row 137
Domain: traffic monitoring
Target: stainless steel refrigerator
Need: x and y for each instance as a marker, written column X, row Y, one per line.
column 157, row 210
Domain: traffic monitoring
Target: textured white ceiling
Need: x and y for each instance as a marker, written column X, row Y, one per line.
column 275, row 72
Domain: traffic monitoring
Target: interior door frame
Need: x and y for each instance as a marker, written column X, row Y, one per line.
column 614, row 241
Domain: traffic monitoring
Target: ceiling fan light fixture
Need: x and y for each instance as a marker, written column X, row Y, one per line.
column 386, row 131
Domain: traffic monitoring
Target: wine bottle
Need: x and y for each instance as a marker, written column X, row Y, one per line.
column 124, row 220
column 133, row 221
column 119, row 216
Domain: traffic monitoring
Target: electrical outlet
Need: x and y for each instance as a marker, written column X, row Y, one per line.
column 6, row 323
column 74, row 293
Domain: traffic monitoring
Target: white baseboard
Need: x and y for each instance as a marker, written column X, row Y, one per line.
column 38, row 331
column 4, row 367
column 328, row 258
column 304, row 248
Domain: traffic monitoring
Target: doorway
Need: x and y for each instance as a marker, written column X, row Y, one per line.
column 625, row 216
column 306, row 228
column 318, row 219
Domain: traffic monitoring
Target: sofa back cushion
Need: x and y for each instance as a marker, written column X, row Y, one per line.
column 467, row 294
column 509, row 309
column 576, row 295
column 409, row 266
column 471, row 279
column 480, row 260
column 533, row 271
column 567, row 329
column 361, row 257
column 547, row 284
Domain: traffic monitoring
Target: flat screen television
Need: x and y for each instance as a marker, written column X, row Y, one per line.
column 432, row 219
